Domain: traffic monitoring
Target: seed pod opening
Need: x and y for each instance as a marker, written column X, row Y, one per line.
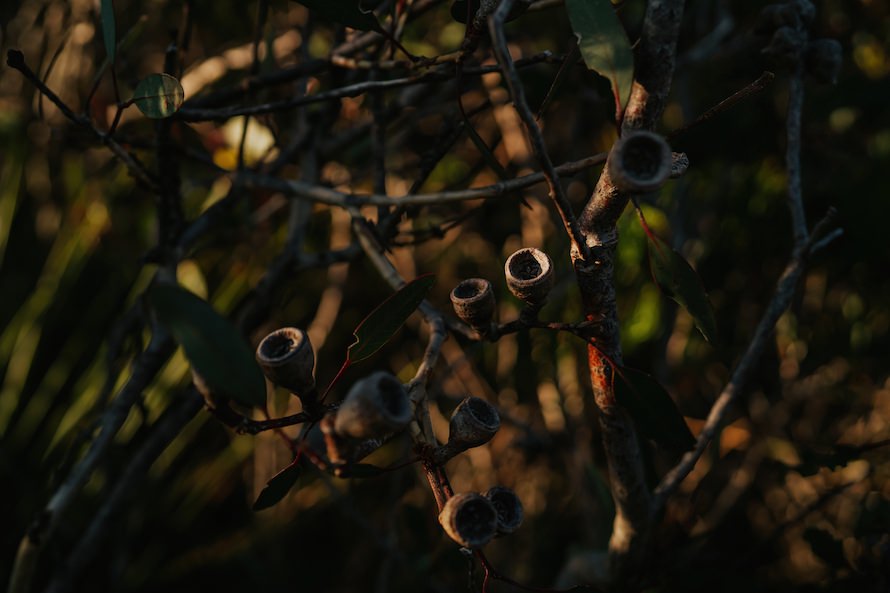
column 473, row 423
column 508, row 508
column 287, row 359
column 529, row 274
column 469, row 519
column 473, row 301
column 640, row 161
column 375, row 406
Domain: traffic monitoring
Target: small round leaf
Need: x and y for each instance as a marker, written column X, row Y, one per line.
column 158, row 95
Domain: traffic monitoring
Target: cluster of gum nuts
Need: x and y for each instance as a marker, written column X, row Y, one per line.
column 378, row 406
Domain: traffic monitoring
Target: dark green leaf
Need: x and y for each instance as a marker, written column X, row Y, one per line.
column 676, row 278
column 345, row 12
column 826, row 547
column 604, row 44
column 214, row 348
column 158, row 95
column 653, row 409
column 109, row 35
column 278, row 487
column 378, row 327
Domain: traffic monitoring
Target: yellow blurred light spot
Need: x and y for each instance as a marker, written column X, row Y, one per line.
column 842, row 119
column 225, row 158
column 870, row 56
column 190, row 276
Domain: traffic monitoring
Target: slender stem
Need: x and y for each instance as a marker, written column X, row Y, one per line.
column 16, row 60
column 557, row 192
column 326, row 195
column 792, row 157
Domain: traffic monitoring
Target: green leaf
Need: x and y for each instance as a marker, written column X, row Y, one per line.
column 345, row 12
column 378, row 327
column 277, row 487
column 109, row 35
column 653, row 409
column 158, row 95
column 213, row 346
column 677, row 280
column 604, row 44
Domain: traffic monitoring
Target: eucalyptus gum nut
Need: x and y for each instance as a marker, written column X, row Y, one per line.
column 473, row 423
column 529, row 274
column 287, row 359
column 640, row 161
column 473, row 301
column 786, row 45
column 375, row 406
column 508, row 508
column 469, row 519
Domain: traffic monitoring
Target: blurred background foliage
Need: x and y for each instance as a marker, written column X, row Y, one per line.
column 791, row 499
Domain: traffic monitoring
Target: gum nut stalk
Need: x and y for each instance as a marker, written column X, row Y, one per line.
column 469, row 519
column 287, row 359
column 529, row 274
column 508, row 508
column 640, row 161
column 473, row 423
column 375, row 406
column 473, row 301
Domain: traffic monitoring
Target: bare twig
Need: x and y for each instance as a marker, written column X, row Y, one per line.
column 16, row 60
column 192, row 114
column 166, row 429
column 741, row 375
column 333, row 197
column 792, row 158
column 557, row 192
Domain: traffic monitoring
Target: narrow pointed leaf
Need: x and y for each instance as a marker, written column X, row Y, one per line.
column 345, row 12
column 109, row 34
column 652, row 408
column 277, row 487
column 212, row 345
column 378, row 327
column 604, row 44
column 158, row 96
column 677, row 280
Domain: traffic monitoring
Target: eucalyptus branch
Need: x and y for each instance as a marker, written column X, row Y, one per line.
column 557, row 192
column 16, row 60
column 744, row 370
column 332, row 197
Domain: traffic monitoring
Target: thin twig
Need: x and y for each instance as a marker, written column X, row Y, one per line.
column 557, row 192
column 192, row 114
column 740, row 377
column 325, row 195
column 792, row 158
column 167, row 428
column 16, row 60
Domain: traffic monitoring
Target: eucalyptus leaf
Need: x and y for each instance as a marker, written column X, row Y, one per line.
column 604, row 44
column 278, row 487
column 677, row 280
column 212, row 345
column 158, row 95
column 109, row 34
column 653, row 409
column 378, row 327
